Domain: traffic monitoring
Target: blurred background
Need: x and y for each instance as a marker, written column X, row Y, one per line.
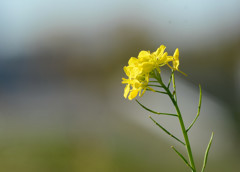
column 61, row 98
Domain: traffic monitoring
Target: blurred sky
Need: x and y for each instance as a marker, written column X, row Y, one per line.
column 191, row 21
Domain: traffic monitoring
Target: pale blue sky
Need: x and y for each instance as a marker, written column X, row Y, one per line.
column 185, row 19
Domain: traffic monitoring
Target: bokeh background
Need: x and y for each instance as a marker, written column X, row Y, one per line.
column 61, row 98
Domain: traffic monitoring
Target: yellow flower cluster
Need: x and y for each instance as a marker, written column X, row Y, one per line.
column 139, row 69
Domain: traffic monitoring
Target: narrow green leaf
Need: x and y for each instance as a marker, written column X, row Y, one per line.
column 162, row 92
column 158, row 113
column 153, row 81
column 199, row 108
column 182, row 157
column 165, row 130
column 206, row 153
column 152, row 85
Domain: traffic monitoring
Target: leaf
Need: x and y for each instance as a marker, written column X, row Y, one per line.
column 152, row 85
column 166, row 130
column 206, row 153
column 199, row 108
column 158, row 113
column 162, row 92
column 182, row 157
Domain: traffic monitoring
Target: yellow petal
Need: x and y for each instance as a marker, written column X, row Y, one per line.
column 133, row 94
column 160, row 50
column 135, row 72
column 176, row 54
column 136, row 84
column 143, row 54
column 124, row 81
column 175, row 64
column 176, row 59
column 143, row 92
column 126, row 70
column 126, row 91
column 163, row 59
column 147, row 66
column 151, row 89
column 147, row 78
column 169, row 58
column 132, row 61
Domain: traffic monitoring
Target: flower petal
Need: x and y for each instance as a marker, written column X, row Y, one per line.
column 143, row 54
column 133, row 94
column 126, row 91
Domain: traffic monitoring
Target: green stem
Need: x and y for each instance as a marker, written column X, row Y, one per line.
column 174, row 101
column 170, row 79
column 174, row 86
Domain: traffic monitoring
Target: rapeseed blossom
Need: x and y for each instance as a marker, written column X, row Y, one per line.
column 139, row 69
column 147, row 68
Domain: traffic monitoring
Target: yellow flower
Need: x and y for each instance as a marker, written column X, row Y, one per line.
column 139, row 69
column 134, row 87
column 160, row 57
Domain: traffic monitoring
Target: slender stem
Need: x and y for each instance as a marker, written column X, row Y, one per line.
column 185, row 135
column 174, row 86
column 170, row 79
column 174, row 101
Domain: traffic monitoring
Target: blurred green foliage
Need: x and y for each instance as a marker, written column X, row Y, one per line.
column 124, row 147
